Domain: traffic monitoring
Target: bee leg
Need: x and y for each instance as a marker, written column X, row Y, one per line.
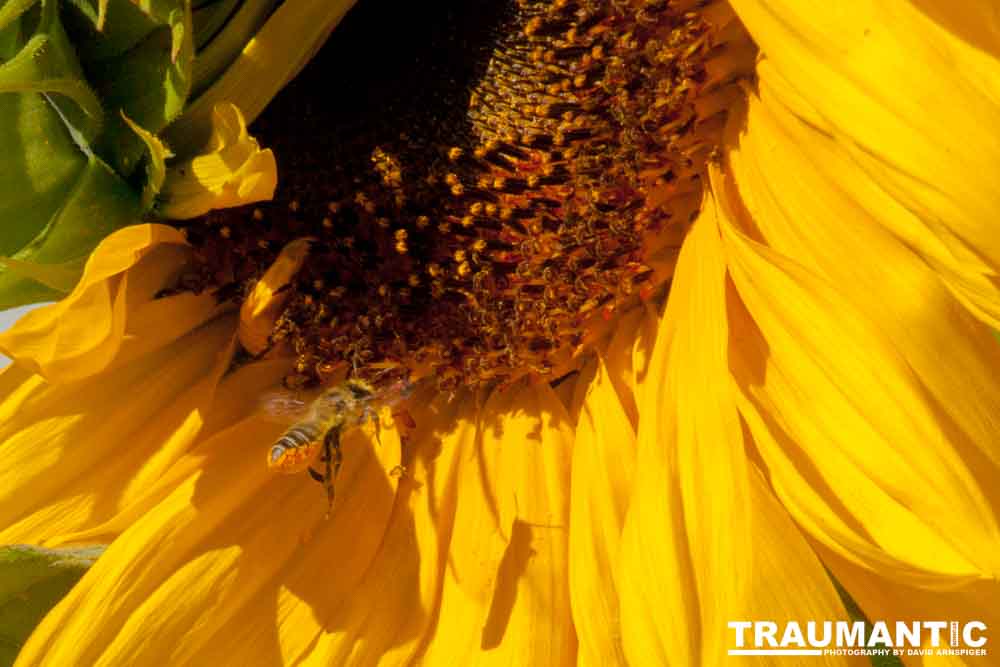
column 338, row 455
column 332, row 457
column 327, row 472
column 318, row 476
column 373, row 415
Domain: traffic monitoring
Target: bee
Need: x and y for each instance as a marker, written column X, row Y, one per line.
column 315, row 434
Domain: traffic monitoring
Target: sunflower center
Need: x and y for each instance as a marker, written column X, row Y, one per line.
column 478, row 181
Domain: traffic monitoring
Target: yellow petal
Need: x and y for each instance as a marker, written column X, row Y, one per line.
column 820, row 215
column 231, row 171
column 788, row 582
column 386, row 618
column 627, row 354
column 77, row 454
column 704, row 541
column 235, row 565
column 265, row 303
column 231, row 398
column 504, row 597
column 888, row 601
column 971, row 281
column 680, row 541
column 113, row 315
column 476, row 544
column 602, row 476
column 910, row 93
column 855, row 448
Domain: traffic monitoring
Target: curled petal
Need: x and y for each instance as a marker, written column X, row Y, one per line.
column 231, row 171
column 113, row 315
column 264, row 304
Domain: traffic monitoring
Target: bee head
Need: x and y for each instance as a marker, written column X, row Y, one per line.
column 360, row 389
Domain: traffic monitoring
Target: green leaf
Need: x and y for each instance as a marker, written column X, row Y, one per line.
column 32, row 581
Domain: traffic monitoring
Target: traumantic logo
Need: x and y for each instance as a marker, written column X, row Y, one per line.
column 858, row 638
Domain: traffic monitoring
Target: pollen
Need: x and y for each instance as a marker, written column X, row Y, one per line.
column 480, row 202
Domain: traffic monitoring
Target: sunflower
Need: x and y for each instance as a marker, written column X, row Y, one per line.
column 771, row 365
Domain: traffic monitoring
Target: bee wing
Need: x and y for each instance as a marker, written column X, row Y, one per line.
column 393, row 394
column 398, row 392
column 283, row 406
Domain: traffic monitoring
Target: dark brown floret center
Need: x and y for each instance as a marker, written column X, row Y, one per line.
column 479, row 179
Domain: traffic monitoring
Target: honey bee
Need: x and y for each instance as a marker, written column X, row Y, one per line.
column 315, row 434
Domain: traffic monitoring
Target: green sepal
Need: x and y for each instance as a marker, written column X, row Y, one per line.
column 86, row 86
column 99, row 203
column 157, row 155
column 47, row 64
column 289, row 38
column 57, row 278
column 32, row 581
column 150, row 82
column 208, row 21
column 226, row 45
column 13, row 9
column 101, row 36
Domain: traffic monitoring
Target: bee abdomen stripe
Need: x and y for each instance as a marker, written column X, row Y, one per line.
column 299, row 436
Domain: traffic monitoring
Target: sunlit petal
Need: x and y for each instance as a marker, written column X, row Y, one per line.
column 602, row 476
column 855, row 449
column 699, row 505
column 888, row 601
column 104, row 438
column 234, row 560
column 807, row 201
column 505, row 598
column 909, row 92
